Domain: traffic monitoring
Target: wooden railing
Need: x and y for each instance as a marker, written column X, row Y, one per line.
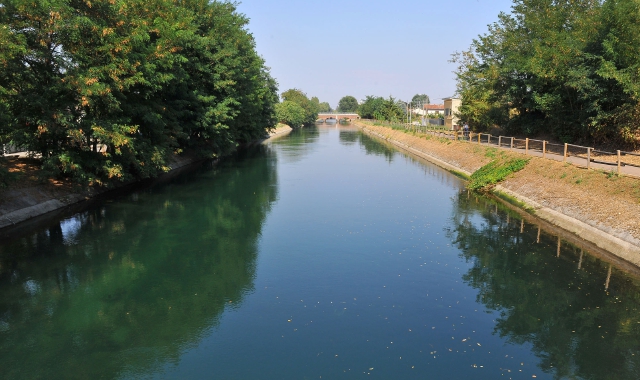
column 622, row 162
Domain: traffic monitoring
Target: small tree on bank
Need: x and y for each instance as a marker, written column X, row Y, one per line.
column 290, row 113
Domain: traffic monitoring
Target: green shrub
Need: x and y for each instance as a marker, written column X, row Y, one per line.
column 494, row 172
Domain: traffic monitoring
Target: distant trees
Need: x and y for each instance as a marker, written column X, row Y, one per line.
column 110, row 90
column 570, row 69
column 379, row 108
column 348, row 104
column 310, row 108
column 322, row 107
column 420, row 100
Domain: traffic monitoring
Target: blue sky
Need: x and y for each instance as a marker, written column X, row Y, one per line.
column 330, row 48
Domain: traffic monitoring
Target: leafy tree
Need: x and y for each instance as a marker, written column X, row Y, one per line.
column 325, row 107
column 420, row 100
column 371, row 107
column 299, row 97
column 322, row 107
column 348, row 104
column 568, row 68
column 379, row 108
column 111, row 91
column 290, row 113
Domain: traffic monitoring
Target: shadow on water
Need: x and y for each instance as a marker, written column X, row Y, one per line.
column 580, row 315
column 126, row 286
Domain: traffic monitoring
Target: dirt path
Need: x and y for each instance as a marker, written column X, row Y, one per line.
column 598, row 199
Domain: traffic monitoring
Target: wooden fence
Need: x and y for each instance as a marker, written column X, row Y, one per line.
column 575, row 154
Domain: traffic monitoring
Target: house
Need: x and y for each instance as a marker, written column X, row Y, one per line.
column 451, row 106
column 434, row 109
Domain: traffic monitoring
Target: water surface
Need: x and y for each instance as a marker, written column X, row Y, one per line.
column 324, row 254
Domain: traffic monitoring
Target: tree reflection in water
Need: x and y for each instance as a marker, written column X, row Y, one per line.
column 581, row 318
column 130, row 284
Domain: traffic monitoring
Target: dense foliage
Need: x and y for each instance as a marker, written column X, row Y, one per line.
column 379, row 108
column 348, row 104
column 310, row 108
column 112, row 89
column 290, row 113
column 570, row 69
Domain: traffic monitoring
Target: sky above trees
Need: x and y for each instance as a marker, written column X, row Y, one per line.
column 332, row 48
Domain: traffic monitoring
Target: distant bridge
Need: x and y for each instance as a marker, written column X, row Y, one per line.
column 326, row 116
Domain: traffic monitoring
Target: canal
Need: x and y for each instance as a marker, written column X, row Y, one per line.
column 321, row 255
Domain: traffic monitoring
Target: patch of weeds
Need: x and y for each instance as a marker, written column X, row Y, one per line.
column 579, row 180
column 563, row 175
column 490, row 152
column 494, row 172
column 612, row 174
column 459, row 174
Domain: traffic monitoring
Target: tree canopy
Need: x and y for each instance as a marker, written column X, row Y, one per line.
column 419, row 100
column 570, row 69
column 379, row 108
column 310, row 108
column 322, row 107
column 290, row 113
column 348, row 104
column 111, row 90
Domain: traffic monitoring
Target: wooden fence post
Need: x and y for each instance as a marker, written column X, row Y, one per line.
column 511, row 147
column 499, row 141
column 526, row 146
column 544, row 148
column 588, row 158
column 618, row 162
column 565, row 152
column 488, row 139
column 479, row 134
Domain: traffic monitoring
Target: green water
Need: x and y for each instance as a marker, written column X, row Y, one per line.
column 324, row 254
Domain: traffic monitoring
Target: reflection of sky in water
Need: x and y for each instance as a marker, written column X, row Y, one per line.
column 70, row 229
column 31, row 287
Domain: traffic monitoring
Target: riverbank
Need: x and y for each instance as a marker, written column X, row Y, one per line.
column 600, row 208
column 280, row 130
column 29, row 198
